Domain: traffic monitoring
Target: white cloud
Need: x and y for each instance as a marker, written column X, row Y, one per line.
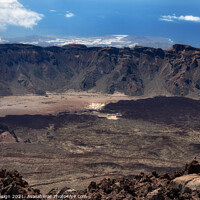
column 167, row 18
column 113, row 40
column 52, row 10
column 13, row 13
column 190, row 18
column 172, row 18
column 69, row 14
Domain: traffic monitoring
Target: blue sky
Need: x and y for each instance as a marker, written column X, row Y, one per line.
column 178, row 20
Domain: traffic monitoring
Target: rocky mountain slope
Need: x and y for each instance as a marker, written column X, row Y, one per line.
column 133, row 71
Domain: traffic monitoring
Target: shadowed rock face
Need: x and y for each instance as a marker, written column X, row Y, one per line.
column 137, row 71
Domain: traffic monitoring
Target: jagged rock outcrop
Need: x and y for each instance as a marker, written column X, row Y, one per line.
column 190, row 182
column 142, row 187
column 138, row 187
column 6, row 135
column 133, row 71
column 193, row 167
column 12, row 186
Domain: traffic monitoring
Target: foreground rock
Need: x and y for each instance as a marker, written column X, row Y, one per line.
column 12, row 186
column 179, row 186
column 187, row 183
column 144, row 187
column 191, row 181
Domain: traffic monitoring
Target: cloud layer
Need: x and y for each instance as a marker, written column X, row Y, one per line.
column 14, row 13
column 69, row 14
column 172, row 18
column 119, row 41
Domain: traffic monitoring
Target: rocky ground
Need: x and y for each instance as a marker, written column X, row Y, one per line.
column 77, row 147
column 179, row 186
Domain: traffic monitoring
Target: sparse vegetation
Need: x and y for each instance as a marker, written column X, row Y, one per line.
column 71, row 148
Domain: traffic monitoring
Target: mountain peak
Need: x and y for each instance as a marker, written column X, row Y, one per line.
column 181, row 47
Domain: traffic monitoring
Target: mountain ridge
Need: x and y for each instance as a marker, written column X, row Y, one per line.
column 134, row 71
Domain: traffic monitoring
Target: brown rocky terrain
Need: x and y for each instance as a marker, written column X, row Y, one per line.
column 178, row 186
column 76, row 147
column 12, row 186
column 58, row 140
column 133, row 71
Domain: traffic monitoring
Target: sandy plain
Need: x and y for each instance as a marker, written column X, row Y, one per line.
column 54, row 103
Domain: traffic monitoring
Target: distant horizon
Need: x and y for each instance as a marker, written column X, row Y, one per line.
column 25, row 40
column 118, row 41
column 171, row 19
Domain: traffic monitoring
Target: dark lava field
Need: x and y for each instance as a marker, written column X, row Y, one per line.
column 73, row 149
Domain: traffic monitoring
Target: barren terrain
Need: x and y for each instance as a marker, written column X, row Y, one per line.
column 65, row 140
column 54, row 103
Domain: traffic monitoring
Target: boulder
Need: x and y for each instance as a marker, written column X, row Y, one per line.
column 7, row 137
column 187, row 182
column 155, row 195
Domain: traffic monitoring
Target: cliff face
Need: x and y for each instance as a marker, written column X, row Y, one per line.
column 137, row 71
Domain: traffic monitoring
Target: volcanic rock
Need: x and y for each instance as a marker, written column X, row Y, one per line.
column 133, row 71
column 7, row 137
column 187, row 183
column 193, row 167
column 12, row 186
column 139, row 187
